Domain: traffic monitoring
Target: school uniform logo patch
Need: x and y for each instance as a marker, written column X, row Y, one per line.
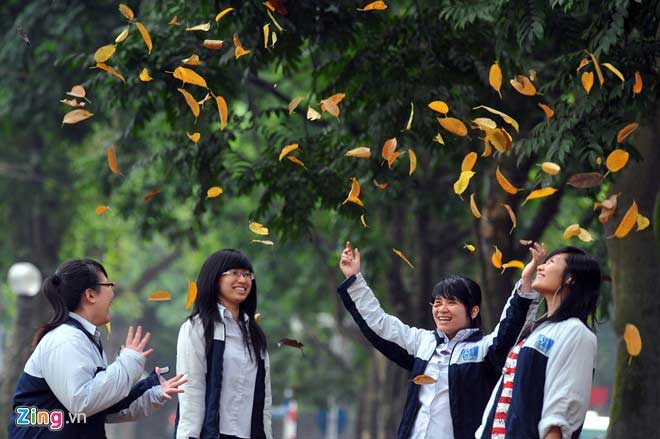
column 543, row 344
column 470, row 354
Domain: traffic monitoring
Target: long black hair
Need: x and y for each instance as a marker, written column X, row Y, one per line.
column 463, row 289
column 582, row 279
column 64, row 290
column 206, row 302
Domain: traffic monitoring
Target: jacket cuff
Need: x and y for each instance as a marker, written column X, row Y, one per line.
column 533, row 295
column 554, row 421
column 343, row 287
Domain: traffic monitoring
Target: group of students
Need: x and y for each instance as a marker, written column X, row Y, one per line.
column 529, row 378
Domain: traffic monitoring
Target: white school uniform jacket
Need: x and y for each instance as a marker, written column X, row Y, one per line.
column 198, row 412
column 551, row 385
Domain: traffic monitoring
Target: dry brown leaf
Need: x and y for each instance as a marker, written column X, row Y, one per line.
column 637, row 87
column 586, row 180
column 626, row 131
column 294, row 104
column 112, row 159
column 213, row 44
column 76, row 116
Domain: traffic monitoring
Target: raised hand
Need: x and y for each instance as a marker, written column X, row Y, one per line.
column 137, row 342
column 171, row 386
column 350, row 261
column 538, row 255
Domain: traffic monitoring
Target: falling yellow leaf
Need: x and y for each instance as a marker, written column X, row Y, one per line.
column 633, row 339
column 126, row 11
column 145, row 35
column 388, row 151
column 379, row 185
column 496, row 258
column 257, row 316
column 470, row 248
column 108, row 326
column 364, row 222
column 257, row 228
column 614, row 70
column 438, row 138
column 421, row 380
column 512, row 215
column 584, row 235
column 206, row 98
column 532, row 75
column 151, row 195
column 294, row 104
column 628, row 221
column 583, row 63
column 77, row 91
column 495, row 78
column 616, row 160
column 193, row 60
column 473, row 207
column 174, row 20
column 159, row 296
column 277, row 25
column 194, row 136
column 550, row 168
column 72, row 103
column 453, row 125
column 239, row 51
column 485, row 124
column 110, row 70
column 410, row 118
column 354, row 194
column 287, row 149
column 599, row 73
column 192, row 294
column 213, row 192
column 637, row 87
column 263, row 241
column 104, row 53
column 508, row 119
column 400, row 254
column 549, row 112
column 330, row 106
column 413, row 161
column 223, row 13
column 188, row 76
column 112, row 159
column 642, row 222
column 361, row 152
column 463, row 181
column 439, row 106
column 274, row 39
column 213, row 44
column 488, row 149
column 523, row 85
column 222, row 111
column 76, row 116
column 312, row 114
column 266, row 32
column 587, row 81
column 101, row 210
column 191, row 101
column 374, row 6
column 540, row 193
column 295, row 160
column 468, row 162
column 572, row 230
column 626, row 131
column 144, row 75
column 504, row 183
column 515, row 263
column 204, row 27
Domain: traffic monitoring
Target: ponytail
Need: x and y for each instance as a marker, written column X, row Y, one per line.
column 64, row 290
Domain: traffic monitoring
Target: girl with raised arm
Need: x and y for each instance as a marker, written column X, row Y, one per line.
column 465, row 363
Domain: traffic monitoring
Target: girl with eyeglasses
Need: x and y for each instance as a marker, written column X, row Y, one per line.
column 223, row 352
column 68, row 372
column 463, row 363
column 546, row 383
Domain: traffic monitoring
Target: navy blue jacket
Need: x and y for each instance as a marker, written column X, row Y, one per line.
column 475, row 363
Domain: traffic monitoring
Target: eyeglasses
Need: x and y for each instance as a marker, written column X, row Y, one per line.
column 108, row 284
column 236, row 273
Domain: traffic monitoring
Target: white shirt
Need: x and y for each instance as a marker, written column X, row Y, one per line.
column 434, row 417
column 239, row 376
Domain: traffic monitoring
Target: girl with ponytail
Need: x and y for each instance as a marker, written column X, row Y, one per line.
column 68, row 373
column 223, row 351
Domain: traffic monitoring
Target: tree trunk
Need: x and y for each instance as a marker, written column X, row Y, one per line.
column 634, row 270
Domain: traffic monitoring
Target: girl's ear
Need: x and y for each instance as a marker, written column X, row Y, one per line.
column 89, row 296
column 474, row 312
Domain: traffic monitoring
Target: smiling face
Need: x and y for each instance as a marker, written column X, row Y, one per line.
column 450, row 315
column 549, row 275
column 235, row 286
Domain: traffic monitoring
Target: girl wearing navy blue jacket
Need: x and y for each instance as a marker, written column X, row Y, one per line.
column 545, row 388
column 464, row 363
column 223, row 352
column 68, row 373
